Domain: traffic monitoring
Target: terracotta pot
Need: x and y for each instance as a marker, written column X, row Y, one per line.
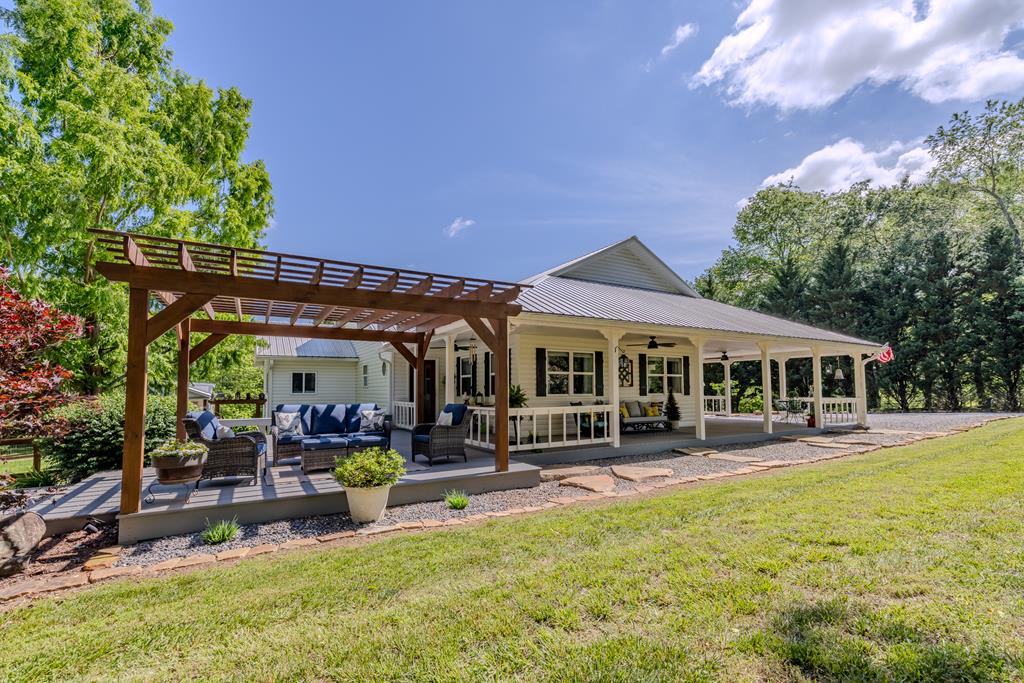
column 810, row 421
column 175, row 469
column 367, row 505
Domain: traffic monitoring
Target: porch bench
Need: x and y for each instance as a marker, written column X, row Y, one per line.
column 637, row 419
column 325, row 420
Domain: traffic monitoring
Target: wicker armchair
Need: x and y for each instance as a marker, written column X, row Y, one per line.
column 243, row 455
column 434, row 441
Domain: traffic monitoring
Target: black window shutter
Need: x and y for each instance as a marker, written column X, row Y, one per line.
column 412, row 382
column 686, row 375
column 472, row 378
column 487, row 373
column 599, row 373
column 542, row 378
column 642, row 371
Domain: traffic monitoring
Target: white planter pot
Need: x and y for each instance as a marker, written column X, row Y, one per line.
column 675, row 423
column 367, row 505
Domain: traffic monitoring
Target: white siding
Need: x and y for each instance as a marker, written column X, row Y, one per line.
column 524, row 361
column 376, row 389
column 620, row 267
column 335, row 380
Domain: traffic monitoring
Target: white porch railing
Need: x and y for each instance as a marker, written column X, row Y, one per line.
column 262, row 422
column 835, row 410
column 403, row 414
column 714, row 405
column 548, row 427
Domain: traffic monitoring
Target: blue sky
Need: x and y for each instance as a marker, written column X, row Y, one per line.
column 551, row 129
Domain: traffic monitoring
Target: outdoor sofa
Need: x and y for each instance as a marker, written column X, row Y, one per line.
column 329, row 430
column 434, row 441
column 633, row 415
column 241, row 455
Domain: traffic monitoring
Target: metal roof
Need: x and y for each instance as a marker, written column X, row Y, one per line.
column 579, row 298
column 295, row 347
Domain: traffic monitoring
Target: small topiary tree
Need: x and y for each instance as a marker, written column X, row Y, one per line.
column 30, row 385
column 671, row 407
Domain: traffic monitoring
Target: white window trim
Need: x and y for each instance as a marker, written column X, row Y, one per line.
column 571, row 373
column 366, row 375
column 467, row 386
column 316, row 382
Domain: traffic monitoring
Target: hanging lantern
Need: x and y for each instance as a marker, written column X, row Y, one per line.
column 839, row 374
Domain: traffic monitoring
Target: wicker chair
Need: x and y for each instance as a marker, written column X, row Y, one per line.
column 434, row 441
column 243, row 455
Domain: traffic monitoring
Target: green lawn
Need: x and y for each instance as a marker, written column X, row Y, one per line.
column 904, row 564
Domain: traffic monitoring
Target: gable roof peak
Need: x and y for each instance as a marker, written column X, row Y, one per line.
column 627, row 263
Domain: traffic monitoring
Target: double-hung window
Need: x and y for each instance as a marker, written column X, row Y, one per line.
column 366, row 375
column 465, row 385
column 303, row 382
column 664, row 373
column 570, row 373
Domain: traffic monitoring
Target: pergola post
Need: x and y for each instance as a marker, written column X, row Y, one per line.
column 698, row 389
column 136, row 385
column 766, row 389
column 184, row 348
column 500, row 394
column 860, row 389
column 449, row 369
column 727, row 371
column 819, row 420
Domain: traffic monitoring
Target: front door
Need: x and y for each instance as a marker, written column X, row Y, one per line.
column 429, row 388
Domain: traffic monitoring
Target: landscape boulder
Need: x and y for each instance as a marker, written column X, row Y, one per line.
column 19, row 534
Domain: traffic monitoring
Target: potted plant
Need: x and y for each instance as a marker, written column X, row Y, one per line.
column 516, row 399
column 672, row 410
column 810, row 415
column 368, row 476
column 179, row 462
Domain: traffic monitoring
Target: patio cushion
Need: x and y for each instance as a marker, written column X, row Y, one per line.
column 208, row 423
column 421, row 438
column 353, row 417
column 329, row 418
column 458, row 411
column 305, row 412
column 634, row 408
column 362, row 440
column 299, row 438
column 319, row 442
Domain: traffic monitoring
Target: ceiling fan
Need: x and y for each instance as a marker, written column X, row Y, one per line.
column 470, row 346
column 655, row 344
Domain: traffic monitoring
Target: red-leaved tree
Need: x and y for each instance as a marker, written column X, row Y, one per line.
column 30, row 385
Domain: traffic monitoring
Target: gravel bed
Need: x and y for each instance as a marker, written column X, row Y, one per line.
column 930, row 422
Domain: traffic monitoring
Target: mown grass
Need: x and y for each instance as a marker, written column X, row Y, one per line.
column 904, row 564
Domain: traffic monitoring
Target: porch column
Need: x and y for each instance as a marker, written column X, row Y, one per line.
column 136, row 385
column 612, row 376
column 449, row 366
column 782, row 378
column 860, row 390
column 727, row 368
column 766, row 389
column 500, row 351
column 184, row 347
column 698, row 390
column 816, row 387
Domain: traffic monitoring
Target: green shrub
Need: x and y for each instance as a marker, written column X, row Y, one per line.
column 94, row 440
column 750, row 401
column 456, row 500
column 370, row 468
column 221, row 532
column 34, row 478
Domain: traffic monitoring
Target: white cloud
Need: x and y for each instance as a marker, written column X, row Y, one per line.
column 806, row 54
column 678, row 38
column 458, row 225
column 835, row 167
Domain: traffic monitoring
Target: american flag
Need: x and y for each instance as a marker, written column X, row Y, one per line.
column 886, row 355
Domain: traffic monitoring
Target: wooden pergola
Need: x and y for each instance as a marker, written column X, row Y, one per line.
column 268, row 293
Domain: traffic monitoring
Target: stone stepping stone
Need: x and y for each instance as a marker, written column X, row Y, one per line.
column 729, row 457
column 635, row 473
column 694, row 451
column 556, row 473
column 854, row 441
column 827, row 444
column 771, row 464
column 598, row 483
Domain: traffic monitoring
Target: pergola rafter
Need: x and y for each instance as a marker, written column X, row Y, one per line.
column 295, row 296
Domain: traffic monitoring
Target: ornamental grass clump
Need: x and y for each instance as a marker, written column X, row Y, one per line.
column 370, row 468
column 221, row 532
column 456, row 500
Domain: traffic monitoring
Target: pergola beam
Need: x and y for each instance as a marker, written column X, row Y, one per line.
column 301, row 331
column 202, row 348
column 174, row 314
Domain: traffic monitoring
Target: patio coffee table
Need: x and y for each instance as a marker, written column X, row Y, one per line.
column 322, row 452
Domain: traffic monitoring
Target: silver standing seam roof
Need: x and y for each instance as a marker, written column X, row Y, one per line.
column 296, row 347
column 580, row 298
